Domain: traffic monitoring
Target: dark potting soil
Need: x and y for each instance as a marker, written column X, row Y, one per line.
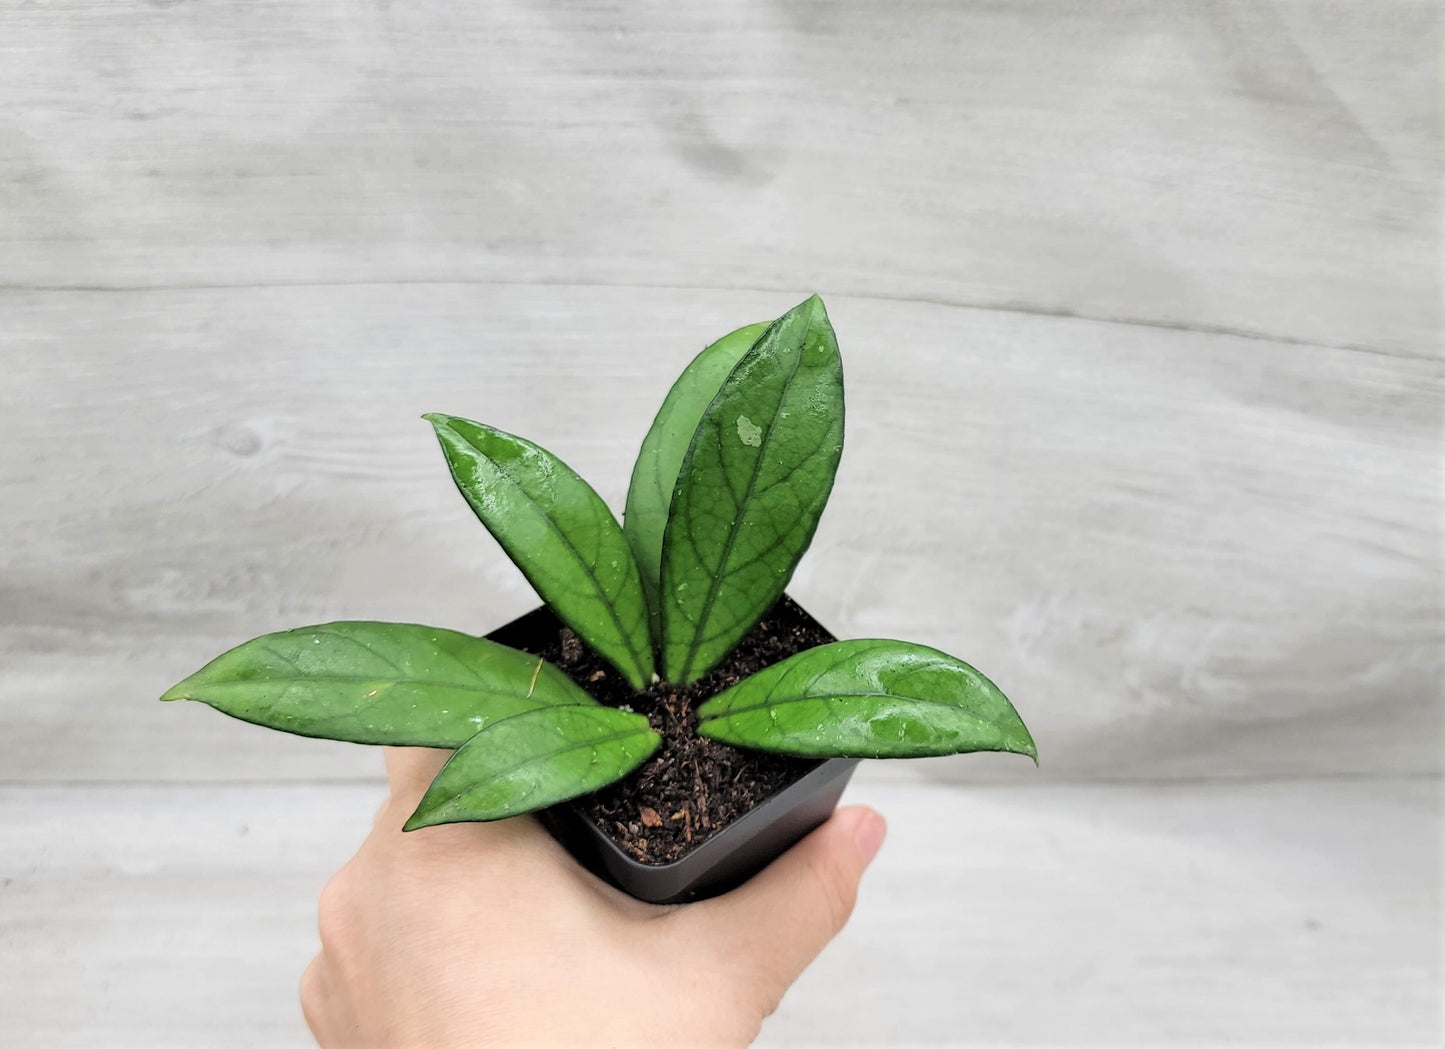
column 691, row 787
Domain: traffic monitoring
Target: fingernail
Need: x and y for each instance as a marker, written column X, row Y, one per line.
column 868, row 835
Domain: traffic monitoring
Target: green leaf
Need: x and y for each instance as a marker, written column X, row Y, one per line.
column 392, row 683
column 867, row 699
column 663, row 449
column 534, row 760
column 561, row 535
column 751, row 490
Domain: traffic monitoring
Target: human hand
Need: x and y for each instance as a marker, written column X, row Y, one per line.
column 490, row 934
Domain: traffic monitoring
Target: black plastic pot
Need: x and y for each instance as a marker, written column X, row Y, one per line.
column 723, row 861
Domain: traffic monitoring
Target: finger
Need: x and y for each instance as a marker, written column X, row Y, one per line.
column 410, row 771
column 317, row 999
column 775, row 924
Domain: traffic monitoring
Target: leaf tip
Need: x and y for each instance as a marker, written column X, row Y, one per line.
column 175, row 693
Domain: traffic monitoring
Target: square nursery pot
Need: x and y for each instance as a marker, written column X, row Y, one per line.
column 726, row 860
column 723, row 861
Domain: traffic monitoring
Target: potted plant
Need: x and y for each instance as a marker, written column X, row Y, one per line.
column 676, row 719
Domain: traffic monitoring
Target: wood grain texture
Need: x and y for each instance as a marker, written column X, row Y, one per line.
column 1184, row 552
column 1139, row 309
column 1261, row 167
column 1180, row 554
column 1300, row 913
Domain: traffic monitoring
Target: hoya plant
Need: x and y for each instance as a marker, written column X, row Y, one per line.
column 725, row 498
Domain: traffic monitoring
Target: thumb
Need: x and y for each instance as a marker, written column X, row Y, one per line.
column 775, row 924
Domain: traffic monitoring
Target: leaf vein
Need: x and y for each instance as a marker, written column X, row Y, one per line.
column 759, row 458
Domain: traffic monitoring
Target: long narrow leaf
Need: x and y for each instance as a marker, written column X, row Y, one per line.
column 867, row 699
column 750, row 490
column 561, row 535
column 393, row 683
column 663, row 449
column 534, row 760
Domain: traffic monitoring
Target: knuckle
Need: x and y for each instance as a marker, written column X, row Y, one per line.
column 751, row 975
column 311, row 997
column 335, row 911
column 741, row 980
column 767, row 981
column 731, row 959
column 838, row 892
column 765, row 993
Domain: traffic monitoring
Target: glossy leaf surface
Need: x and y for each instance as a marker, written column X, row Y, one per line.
column 663, row 449
column 751, row 489
column 561, row 535
column 393, row 683
column 534, row 760
column 867, row 699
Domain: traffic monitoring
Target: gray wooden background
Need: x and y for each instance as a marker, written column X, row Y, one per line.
column 1139, row 304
